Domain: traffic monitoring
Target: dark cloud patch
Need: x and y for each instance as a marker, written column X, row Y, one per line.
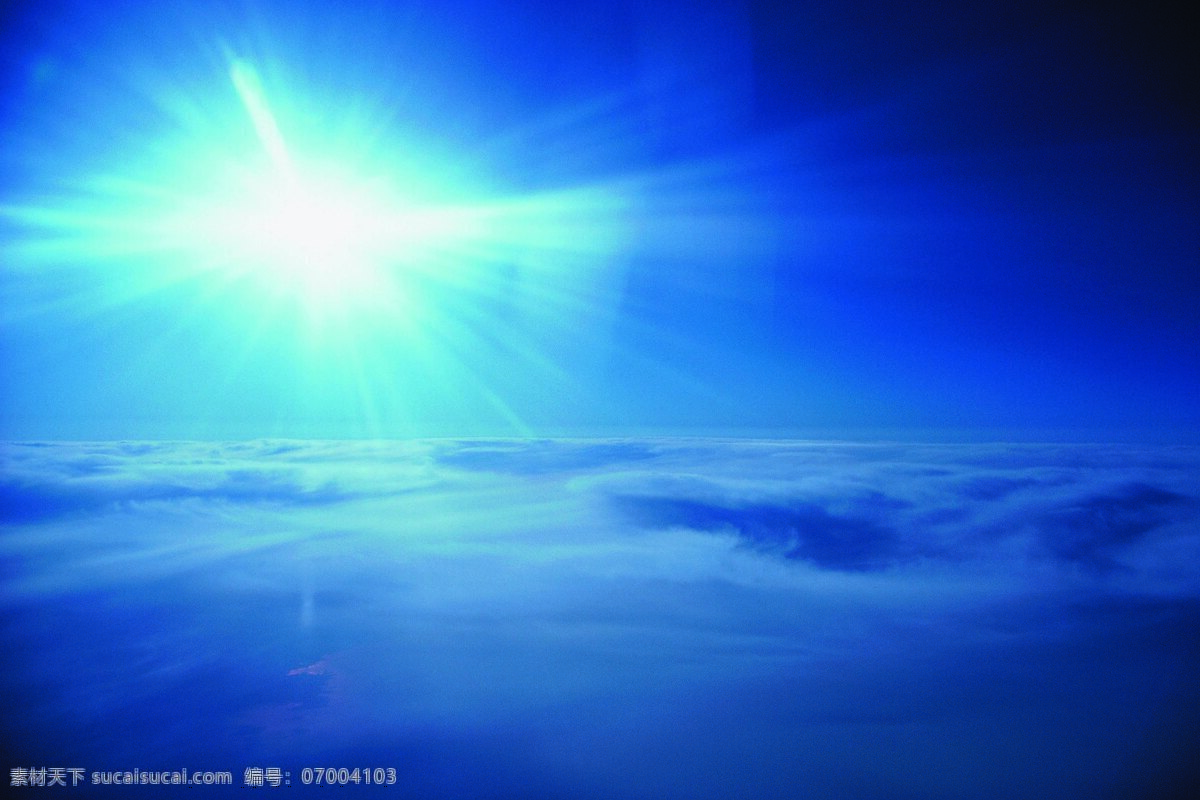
column 281, row 448
column 798, row 531
column 994, row 487
column 541, row 457
column 254, row 486
column 1094, row 531
column 89, row 465
column 145, row 448
column 36, row 500
column 1036, row 458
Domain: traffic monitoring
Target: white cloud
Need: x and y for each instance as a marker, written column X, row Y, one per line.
column 730, row 607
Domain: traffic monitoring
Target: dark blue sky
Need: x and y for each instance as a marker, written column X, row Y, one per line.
column 848, row 218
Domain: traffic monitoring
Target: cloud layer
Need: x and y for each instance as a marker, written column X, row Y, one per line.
column 624, row 618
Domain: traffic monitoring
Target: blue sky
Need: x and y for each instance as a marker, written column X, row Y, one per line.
column 839, row 219
column 345, row 349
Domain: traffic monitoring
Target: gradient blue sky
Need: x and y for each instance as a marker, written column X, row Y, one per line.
column 751, row 218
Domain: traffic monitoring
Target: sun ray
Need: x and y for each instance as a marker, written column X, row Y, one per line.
column 377, row 274
column 250, row 91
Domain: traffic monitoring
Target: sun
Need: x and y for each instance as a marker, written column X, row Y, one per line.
column 295, row 224
column 313, row 231
column 321, row 235
column 316, row 225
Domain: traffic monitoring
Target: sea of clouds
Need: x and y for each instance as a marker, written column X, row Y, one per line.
column 633, row 618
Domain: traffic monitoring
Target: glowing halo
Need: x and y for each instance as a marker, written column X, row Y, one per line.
column 315, row 244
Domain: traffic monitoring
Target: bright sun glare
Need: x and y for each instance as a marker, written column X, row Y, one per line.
column 325, row 225
column 326, row 238
column 307, row 229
